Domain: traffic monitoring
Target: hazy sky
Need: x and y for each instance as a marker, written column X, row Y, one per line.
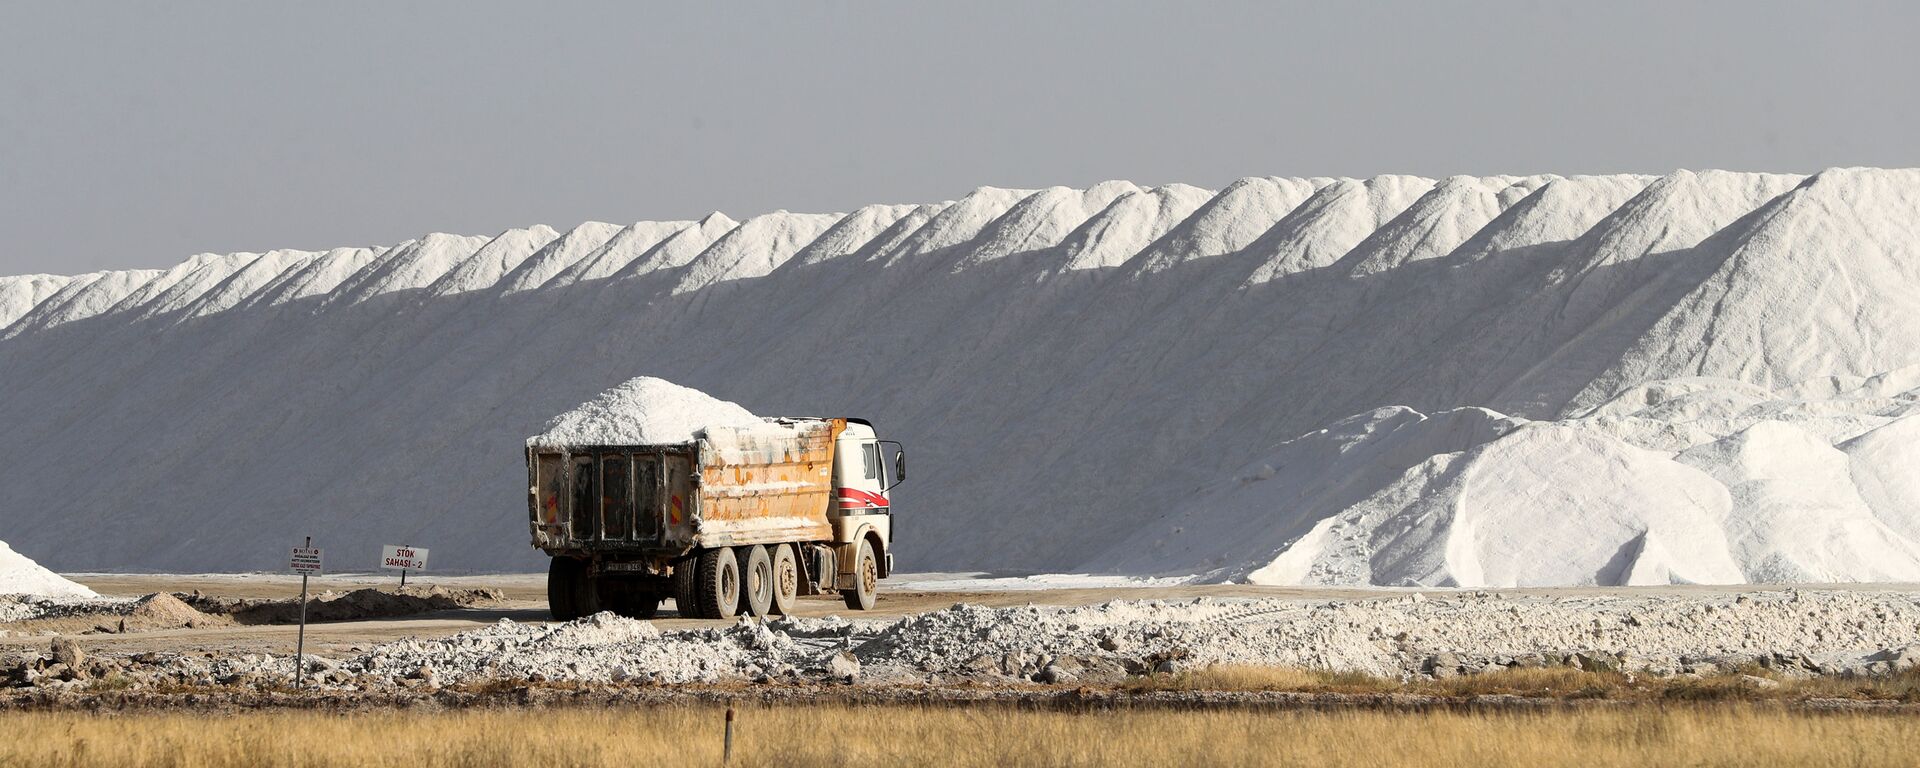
column 133, row 135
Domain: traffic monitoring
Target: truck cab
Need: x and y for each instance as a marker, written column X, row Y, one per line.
column 865, row 469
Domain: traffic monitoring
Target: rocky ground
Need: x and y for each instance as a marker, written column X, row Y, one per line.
column 1410, row 636
column 34, row 615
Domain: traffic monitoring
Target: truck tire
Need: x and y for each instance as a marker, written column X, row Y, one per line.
column 718, row 592
column 756, row 580
column 563, row 589
column 786, row 580
column 586, row 598
column 686, row 587
column 627, row 598
column 866, row 579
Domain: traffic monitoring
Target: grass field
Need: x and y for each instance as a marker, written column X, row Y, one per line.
column 1631, row 735
column 1549, row 683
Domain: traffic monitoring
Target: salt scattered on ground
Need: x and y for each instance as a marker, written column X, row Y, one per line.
column 986, row 582
column 1792, row 632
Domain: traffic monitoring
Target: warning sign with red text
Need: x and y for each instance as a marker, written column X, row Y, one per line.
column 305, row 560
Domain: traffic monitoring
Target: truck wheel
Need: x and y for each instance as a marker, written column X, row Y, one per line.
column 718, row 572
column 628, row 599
column 786, row 580
column 866, row 579
column 563, row 588
column 686, row 587
column 756, row 580
column 588, row 597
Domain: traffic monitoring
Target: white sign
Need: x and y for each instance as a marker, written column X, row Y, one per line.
column 305, row 560
column 403, row 558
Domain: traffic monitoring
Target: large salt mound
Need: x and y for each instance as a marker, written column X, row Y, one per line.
column 1694, row 480
column 855, row 231
column 630, row 243
column 1797, row 514
column 1074, row 378
column 183, row 282
column 21, row 576
column 312, row 278
column 1229, row 221
column 1338, row 217
column 556, row 256
column 20, row 294
column 642, row 411
column 680, row 247
column 1547, row 505
column 80, row 298
column 416, row 265
column 956, row 224
column 244, row 282
column 493, row 261
column 1127, row 225
column 1040, row 221
column 1433, row 226
column 755, row 248
column 1817, row 281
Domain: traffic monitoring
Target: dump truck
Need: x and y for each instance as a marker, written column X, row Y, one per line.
column 740, row 520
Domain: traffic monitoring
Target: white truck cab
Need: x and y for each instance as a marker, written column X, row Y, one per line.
column 865, row 469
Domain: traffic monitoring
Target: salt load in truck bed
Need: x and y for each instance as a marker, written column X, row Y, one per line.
column 653, row 490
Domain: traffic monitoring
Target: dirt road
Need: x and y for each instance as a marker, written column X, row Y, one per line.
column 525, row 602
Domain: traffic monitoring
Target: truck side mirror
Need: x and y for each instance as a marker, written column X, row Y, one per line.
column 899, row 466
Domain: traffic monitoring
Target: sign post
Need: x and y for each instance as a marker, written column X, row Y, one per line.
column 305, row 561
column 403, row 558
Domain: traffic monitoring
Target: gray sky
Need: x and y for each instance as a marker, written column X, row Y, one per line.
column 133, row 135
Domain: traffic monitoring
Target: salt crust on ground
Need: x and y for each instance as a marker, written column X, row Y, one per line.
column 1082, row 376
column 1803, row 632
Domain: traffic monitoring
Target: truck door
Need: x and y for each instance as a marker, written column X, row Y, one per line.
column 858, row 487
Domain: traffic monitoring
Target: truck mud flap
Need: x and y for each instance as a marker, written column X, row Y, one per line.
column 825, row 568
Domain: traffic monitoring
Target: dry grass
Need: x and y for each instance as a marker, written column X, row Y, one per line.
column 1255, row 678
column 1741, row 735
column 1544, row 682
